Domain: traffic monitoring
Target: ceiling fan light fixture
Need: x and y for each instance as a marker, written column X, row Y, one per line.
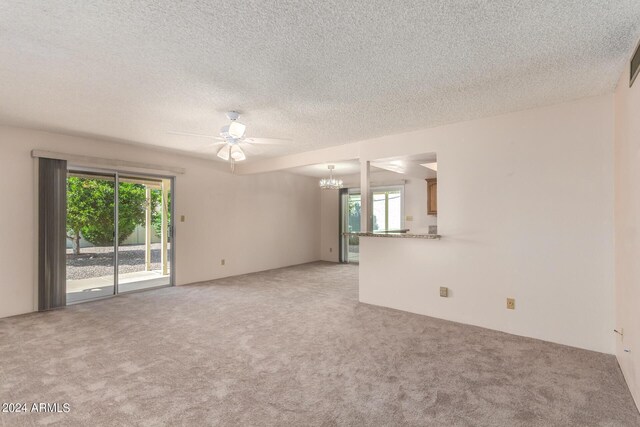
column 236, row 153
column 237, row 129
column 224, row 152
column 234, row 130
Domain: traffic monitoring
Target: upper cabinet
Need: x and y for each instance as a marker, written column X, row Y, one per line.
column 432, row 196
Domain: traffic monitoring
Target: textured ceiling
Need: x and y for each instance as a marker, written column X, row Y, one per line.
column 319, row 72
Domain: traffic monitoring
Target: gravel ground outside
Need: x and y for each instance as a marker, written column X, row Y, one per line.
column 98, row 261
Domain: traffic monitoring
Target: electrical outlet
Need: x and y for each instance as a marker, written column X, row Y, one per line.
column 444, row 291
column 222, row 261
column 409, row 218
column 330, row 249
column 511, row 303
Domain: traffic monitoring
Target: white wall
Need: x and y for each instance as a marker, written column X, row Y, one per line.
column 255, row 222
column 627, row 229
column 330, row 226
column 525, row 204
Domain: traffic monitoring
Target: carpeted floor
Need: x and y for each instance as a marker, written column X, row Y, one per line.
column 293, row 347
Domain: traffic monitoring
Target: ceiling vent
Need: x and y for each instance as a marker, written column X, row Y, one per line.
column 635, row 65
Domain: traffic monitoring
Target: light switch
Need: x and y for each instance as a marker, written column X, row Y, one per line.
column 409, row 218
column 444, row 291
column 181, row 218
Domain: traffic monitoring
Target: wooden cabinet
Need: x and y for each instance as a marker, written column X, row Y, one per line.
column 432, row 196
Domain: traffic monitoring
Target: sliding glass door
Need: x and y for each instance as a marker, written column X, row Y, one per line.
column 144, row 244
column 350, row 223
column 136, row 209
column 91, row 217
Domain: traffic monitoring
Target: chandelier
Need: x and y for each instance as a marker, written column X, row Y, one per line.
column 330, row 183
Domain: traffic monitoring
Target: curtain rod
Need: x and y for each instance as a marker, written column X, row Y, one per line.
column 88, row 160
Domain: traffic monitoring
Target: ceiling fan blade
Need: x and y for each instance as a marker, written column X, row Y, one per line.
column 268, row 141
column 252, row 150
column 214, row 146
column 198, row 135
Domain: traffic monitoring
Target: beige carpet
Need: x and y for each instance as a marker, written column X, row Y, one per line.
column 293, row 347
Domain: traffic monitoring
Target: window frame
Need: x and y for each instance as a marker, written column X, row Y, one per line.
column 386, row 189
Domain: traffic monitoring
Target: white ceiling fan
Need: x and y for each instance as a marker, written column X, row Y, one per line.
column 231, row 137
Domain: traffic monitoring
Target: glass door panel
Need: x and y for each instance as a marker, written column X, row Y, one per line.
column 90, row 236
column 353, row 242
column 144, row 243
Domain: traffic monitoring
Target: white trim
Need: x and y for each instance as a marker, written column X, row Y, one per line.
column 112, row 163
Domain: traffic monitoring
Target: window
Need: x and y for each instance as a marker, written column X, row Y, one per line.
column 388, row 209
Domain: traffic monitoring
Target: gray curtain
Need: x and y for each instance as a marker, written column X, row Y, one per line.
column 52, row 252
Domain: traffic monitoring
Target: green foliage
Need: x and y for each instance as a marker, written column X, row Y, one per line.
column 156, row 215
column 90, row 210
column 132, row 209
column 354, row 214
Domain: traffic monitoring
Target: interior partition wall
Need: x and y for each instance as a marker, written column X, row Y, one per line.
column 119, row 233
